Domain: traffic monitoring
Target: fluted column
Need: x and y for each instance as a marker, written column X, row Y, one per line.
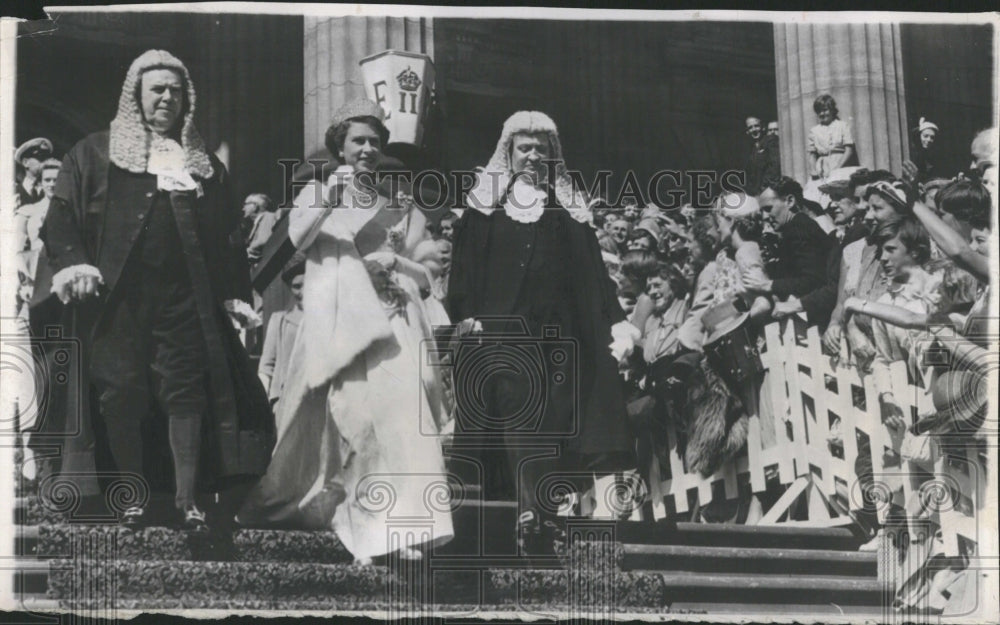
column 333, row 48
column 861, row 66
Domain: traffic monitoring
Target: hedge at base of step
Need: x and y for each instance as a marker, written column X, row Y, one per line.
column 606, row 590
column 74, row 542
column 374, row 609
column 154, row 580
column 23, row 487
column 32, row 511
column 595, row 556
column 290, row 546
column 160, row 543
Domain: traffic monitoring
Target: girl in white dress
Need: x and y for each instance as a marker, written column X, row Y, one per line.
column 359, row 449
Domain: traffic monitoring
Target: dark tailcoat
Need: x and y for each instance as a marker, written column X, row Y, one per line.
column 549, row 273
column 801, row 258
column 763, row 164
column 819, row 303
column 96, row 217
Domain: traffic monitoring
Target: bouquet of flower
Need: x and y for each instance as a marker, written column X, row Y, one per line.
column 386, row 288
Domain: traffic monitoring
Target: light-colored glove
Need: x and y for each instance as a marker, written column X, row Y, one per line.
column 388, row 260
column 624, row 336
column 242, row 314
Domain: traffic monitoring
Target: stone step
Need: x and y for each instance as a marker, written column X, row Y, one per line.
column 484, row 527
column 773, row 589
column 732, row 535
column 792, row 612
column 487, row 528
column 250, row 545
column 622, row 589
column 30, row 576
column 339, row 586
column 696, row 558
column 36, row 603
column 214, row 607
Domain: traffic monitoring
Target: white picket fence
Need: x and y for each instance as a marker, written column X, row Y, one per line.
column 805, row 393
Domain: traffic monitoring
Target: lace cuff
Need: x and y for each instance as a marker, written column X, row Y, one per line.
column 64, row 278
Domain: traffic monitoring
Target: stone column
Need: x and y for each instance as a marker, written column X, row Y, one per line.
column 333, row 48
column 861, row 66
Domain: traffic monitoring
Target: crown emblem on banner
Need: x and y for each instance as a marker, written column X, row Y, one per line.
column 408, row 80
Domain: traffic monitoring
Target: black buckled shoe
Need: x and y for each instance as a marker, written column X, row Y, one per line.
column 133, row 519
column 194, row 521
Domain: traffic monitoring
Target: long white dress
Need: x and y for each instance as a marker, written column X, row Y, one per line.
column 359, row 449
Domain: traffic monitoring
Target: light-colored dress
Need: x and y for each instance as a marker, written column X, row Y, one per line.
column 27, row 223
column 824, row 141
column 922, row 293
column 358, row 445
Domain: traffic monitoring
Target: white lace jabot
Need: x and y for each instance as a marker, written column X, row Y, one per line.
column 166, row 162
column 525, row 203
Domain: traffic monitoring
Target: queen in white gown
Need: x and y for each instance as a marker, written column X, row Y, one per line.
column 358, row 446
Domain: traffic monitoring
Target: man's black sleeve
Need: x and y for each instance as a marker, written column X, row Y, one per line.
column 819, row 304
column 803, row 257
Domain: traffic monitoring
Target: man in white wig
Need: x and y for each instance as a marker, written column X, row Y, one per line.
column 143, row 241
column 524, row 268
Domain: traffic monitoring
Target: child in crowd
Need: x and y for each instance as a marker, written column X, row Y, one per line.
column 830, row 144
column 428, row 253
column 279, row 337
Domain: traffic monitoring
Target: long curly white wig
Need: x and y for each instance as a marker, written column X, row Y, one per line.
column 535, row 122
column 131, row 138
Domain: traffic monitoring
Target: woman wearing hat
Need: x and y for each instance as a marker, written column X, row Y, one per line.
column 922, row 149
column 359, row 416
column 715, row 411
column 279, row 338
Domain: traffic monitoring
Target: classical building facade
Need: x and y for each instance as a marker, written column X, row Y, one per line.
column 633, row 97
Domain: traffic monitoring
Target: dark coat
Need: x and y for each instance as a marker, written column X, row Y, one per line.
column 800, row 260
column 763, row 164
column 95, row 218
column 819, row 303
column 603, row 427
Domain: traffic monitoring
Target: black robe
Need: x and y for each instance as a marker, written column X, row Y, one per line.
column 584, row 309
column 95, row 218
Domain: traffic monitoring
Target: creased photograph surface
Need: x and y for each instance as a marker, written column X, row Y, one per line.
column 471, row 313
